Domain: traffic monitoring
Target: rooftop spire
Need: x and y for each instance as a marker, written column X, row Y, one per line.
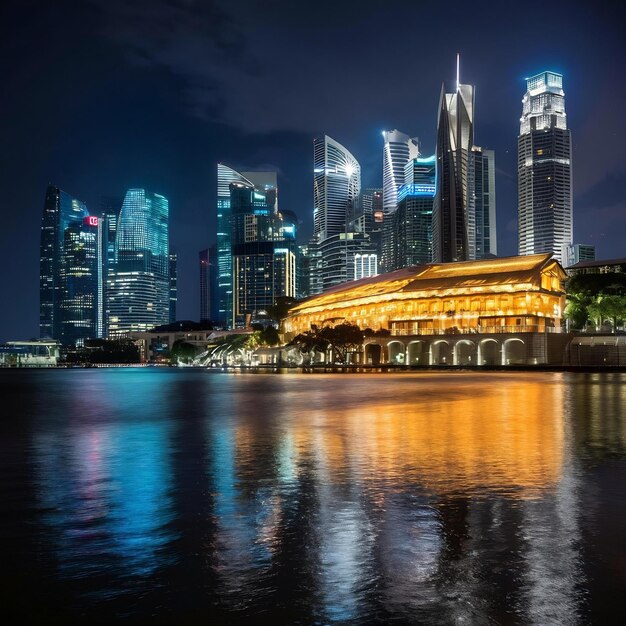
column 458, row 63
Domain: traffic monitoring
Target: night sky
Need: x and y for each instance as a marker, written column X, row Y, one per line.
column 102, row 95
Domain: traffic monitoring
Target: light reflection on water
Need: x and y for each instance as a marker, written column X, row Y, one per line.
column 332, row 498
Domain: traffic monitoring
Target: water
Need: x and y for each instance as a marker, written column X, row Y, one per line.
column 194, row 496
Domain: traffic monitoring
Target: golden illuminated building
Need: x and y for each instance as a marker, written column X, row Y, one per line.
column 500, row 295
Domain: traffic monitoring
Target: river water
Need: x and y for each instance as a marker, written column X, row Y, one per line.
column 180, row 496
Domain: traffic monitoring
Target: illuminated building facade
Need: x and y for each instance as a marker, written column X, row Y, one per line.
column 453, row 220
column 139, row 285
column 60, row 211
column 336, row 187
column 544, row 169
column 466, row 303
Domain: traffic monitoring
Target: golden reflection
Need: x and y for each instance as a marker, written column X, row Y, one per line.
column 509, row 438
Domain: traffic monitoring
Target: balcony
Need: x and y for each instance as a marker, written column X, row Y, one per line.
column 479, row 330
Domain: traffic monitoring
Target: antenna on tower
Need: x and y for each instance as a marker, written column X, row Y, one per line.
column 458, row 63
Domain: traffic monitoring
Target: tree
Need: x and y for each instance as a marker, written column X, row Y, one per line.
column 269, row 336
column 343, row 339
column 611, row 307
column 182, row 351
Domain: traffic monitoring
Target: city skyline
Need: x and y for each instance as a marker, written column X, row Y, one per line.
column 267, row 141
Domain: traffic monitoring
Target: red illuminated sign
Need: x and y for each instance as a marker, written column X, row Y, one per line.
column 91, row 220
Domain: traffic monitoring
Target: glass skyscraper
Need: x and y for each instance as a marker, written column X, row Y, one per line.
column 139, row 285
column 336, row 187
column 60, row 212
column 453, row 219
column 398, row 149
column 412, row 221
column 225, row 176
column 263, row 249
column 173, row 262
column 483, row 186
column 205, row 260
column 544, row 167
column 79, row 277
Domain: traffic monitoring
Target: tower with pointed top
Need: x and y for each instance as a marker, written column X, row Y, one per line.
column 453, row 219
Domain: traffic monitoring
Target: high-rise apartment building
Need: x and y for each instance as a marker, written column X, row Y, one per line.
column 453, row 221
column 483, row 201
column 139, row 285
column 60, row 212
column 336, row 187
column 544, row 167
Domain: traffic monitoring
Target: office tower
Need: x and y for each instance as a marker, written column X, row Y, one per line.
column 544, row 168
column 453, row 221
column 225, row 176
column 338, row 260
column 336, row 187
column 173, row 263
column 398, row 149
column 79, row 279
column 108, row 216
column 369, row 217
column 483, row 186
column 263, row 249
column 139, row 285
column 59, row 212
column 412, row 221
column 577, row 252
column 204, row 260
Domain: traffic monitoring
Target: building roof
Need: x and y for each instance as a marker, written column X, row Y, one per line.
column 602, row 263
column 437, row 276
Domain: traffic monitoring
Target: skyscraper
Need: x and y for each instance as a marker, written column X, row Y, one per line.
column 59, row 212
column 453, row 220
column 412, row 220
column 107, row 222
column 398, row 149
column 79, row 279
column 139, row 285
column 483, row 186
column 544, row 167
column 225, row 176
column 173, row 295
column 336, row 187
column 204, row 259
column 263, row 250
